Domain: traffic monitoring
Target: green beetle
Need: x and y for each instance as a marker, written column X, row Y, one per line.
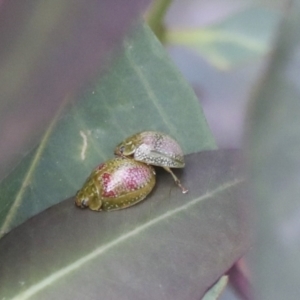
column 118, row 183
column 154, row 148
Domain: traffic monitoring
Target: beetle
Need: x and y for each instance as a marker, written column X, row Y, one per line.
column 154, row 148
column 117, row 183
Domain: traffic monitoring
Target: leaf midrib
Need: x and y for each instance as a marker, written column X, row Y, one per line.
column 102, row 249
column 27, row 178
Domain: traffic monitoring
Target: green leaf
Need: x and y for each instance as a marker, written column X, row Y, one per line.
column 142, row 91
column 170, row 246
column 50, row 49
column 274, row 167
column 240, row 38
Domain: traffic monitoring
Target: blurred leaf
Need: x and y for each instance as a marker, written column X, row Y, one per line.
column 155, row 17
column 48, row 50
column 215, row 292
column 170, row 246
column 241, row 38
column 240, row 279
column 274, row 167
column 142, row 91
column 274, row 4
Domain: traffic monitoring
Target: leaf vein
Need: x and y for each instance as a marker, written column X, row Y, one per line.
column 28, row 176
column 98, row 251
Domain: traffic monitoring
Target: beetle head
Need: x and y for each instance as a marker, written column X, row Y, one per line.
column 82, row 199
column 86, row 199
column 125, row 148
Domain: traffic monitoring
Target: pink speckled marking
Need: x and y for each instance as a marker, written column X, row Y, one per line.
column 136, row 177
column 107, row 186
column 162, row 143
column 149, row 139
column 124, row 180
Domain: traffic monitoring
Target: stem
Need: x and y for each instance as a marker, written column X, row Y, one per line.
column 155, row 17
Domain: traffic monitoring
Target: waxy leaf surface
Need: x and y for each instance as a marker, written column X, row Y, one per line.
column 170, row 246
column 142, row 91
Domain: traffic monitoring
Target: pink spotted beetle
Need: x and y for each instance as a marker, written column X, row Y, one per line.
column 118, row 183
column 154, row 148
column 128, row 179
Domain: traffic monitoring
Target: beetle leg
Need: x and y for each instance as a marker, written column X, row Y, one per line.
column 183, row 189
column 95, row 204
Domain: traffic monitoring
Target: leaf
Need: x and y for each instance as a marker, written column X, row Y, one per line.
column 170, row 246
column 215, row 292
column 142, row 91
column 241, row 38
column 274, row 167
column 48, row 50
column 240, row 279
